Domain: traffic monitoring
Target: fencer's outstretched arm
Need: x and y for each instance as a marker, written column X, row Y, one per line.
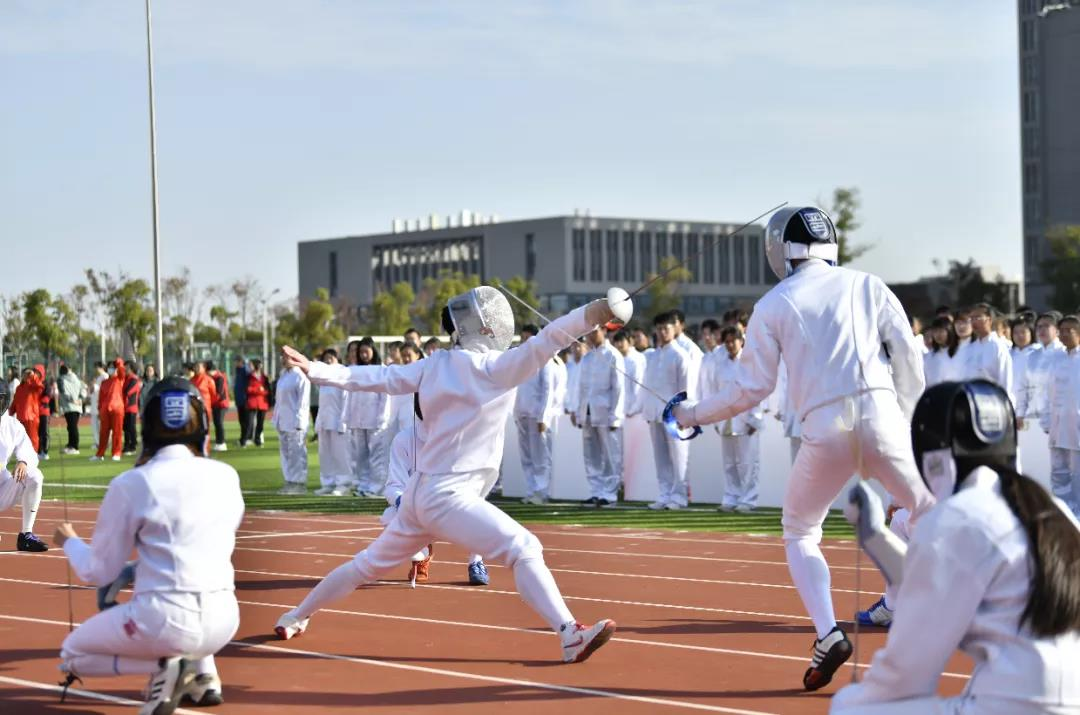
column 904, row 356
column 864, row 511
column 391, row 379
column 100, row 561
column 755, row 379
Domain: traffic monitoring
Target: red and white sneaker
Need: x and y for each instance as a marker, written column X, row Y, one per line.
column 289, row 626
column 579, row 641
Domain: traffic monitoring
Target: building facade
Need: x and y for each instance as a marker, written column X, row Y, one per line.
column 1049, row 54
column 572, row 259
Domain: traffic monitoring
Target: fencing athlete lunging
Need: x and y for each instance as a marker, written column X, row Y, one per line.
column 22, row 484
column 993, row 569
column 854, row 375
column 465, row 395
column 179, row 512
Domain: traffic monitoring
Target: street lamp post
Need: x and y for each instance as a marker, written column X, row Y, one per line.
column 267, row 327
column 154, row 194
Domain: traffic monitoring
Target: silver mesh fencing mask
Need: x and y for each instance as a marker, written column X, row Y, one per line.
column 483, row 319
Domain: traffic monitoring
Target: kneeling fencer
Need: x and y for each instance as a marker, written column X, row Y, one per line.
column 465, row 394
column 991, row 570
column 179, row 512
column 22, row 484
column 854, row 375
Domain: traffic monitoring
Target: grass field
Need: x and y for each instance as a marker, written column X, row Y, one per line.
column 260, row 476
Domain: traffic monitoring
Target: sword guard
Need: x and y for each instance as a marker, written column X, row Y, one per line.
column 672, row 425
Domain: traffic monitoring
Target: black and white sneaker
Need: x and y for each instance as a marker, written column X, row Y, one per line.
column 827, row 655
column 27, row 541
column 204, row 691
column 168, row 686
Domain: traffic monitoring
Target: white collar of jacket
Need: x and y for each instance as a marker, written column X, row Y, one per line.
column 174, row 451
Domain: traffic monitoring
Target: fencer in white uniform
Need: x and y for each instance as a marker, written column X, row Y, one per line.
column 854, row 374
column 984, row 573
column 22, row 484
column 601, row 410
column 668, row 371
column 179, row 512
column 465, row 395
column 533, row 418
column 335, row 450
column 367, row 416
column 292, row 414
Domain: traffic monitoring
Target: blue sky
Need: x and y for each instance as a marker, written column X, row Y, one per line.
column 285, row 120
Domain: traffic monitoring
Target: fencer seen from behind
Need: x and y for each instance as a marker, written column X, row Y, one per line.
column 854, row 376
column 465, row 395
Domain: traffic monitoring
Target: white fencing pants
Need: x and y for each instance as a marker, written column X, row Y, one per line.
column 293, row 448
column 448, row 507
column 27, row 493
column 369, row 451
column 739, row 456
column 335, row 466
column 535, row 447
column 603, row 450
column 866, row 428
column 128, row 639
column 1062, row 475
column 672, row 457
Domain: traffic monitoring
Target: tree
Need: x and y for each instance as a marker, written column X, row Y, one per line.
column 181, row 305
column 844, row 212
column 221, row 317
column 248, row 292
column 81, row 302
column 127, row 302
column 314, row 328
column 970, row 286
column 1062, row 270
column 15, row 335
column 664, row 292
column 435, row 293
column 50, row 322
column 525, row 292
column 389, row 313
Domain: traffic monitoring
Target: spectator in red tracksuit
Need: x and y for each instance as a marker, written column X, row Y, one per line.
column 26, row 403
column 132, row 391
column 111, row 411
column 258, row 401
column 48, row 404
column 205, row 385
column 221, row 403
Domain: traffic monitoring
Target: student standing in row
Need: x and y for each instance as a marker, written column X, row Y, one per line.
column 335, row 463
column 668, row 371
column 367, row 416
column 601, row 410
column 291, row 417
column 532, row 417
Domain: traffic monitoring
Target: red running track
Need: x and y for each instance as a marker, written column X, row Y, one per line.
column 707, row 621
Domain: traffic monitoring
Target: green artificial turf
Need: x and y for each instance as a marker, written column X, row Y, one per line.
column 260, row 477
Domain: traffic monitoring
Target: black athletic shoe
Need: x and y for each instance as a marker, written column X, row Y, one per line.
column 591, row 501
column 204, row 691
column 602, row 502
column 29, row 542
column 828, row 654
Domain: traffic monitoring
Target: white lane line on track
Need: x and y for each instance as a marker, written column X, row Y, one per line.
column 277, row 534
column 514, row 629
column 399, row 666
column 72, row 692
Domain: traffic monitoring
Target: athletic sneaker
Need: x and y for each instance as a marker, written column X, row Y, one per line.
column 204, row 691
column 28, row 542
column 292, row 489
column 96, row 458
column 535, row 500
column 591, row 501
column 827, row 655
column 478, row 575
column 579, row 642
column 657, row 505
column 107, row 594
column 116, row 458
column 167, row 686
column 324, row 491
column 221, row 447
column 876, row 615
column 673, row 506
column 744, row 508
column 726, row 508
column 341, row 492
column 289, row 626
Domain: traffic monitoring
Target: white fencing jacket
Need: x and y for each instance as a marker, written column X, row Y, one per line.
column 967, row 576
column 465, row 396
column 634, row 365
column 831, row 325
column 292, row 402
column 1033, row 389
column 180, row 514
column 668, row 371
column 602, row 387
column 333, row 402
column 15, row 441
column 1063, row 421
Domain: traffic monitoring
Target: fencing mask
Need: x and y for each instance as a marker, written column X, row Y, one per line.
column 482, row 319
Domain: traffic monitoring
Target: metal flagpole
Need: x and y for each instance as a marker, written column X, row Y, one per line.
column 154, row 194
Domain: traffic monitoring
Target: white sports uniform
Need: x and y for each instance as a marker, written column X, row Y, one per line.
column 532, row 408
column 465, row 397
column 853, row 400
column 1062, row 424
column 367, row 416
column 988, row 358
column 335, row 455
column 14, row 442
column 180, row 513
column 292, row 414
column 967, row 577
column 669, row 370
column 739, row 441
column 601, row 410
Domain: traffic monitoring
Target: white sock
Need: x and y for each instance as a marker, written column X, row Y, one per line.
column 475, row 558
column 537, row 588
column 338, row 584
column 206, row 666
column 810, row 574
column 890, row 596
column 31, row 499
column 106, row 665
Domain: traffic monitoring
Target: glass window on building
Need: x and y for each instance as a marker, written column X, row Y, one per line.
column 333, row 288
column 662, row 251
column 738, row 258
column 677, row 247
column 628, row 256
column 693, row 256
column 723, row 259
column 646, row 254
column 756, row 264
column 596, row 256
column 579, row 254
column 530, row 256
column 708, row 259
column 612, row 255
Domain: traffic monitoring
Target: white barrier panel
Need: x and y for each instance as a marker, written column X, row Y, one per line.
column 706, row 475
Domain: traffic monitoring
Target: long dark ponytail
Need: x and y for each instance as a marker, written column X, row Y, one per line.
column 1053, row 608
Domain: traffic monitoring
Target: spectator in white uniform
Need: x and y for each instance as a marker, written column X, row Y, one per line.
column 634, row 365
column 668, row 371
column 401, row 406
column 21, row 485
column 601, row 410
column 1033, row 390
column 179, row 512
column 100, row 376
column 532, row 415
column 577, row 352
column 1024, row 346
column 1063, row 422
column 335, row 458
column 854, row 374
column 986, row 573
column 939, row 364
column 692, row 349
column 641, row 341
column 559, row 399
column 987, row 356
column 367, row 415
column 292, row 413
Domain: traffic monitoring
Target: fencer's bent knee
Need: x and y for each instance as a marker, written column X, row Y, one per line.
column 523, row 546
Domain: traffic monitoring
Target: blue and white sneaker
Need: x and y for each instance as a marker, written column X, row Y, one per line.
column 877, row 615
column 107, row 594
column 478, row 575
